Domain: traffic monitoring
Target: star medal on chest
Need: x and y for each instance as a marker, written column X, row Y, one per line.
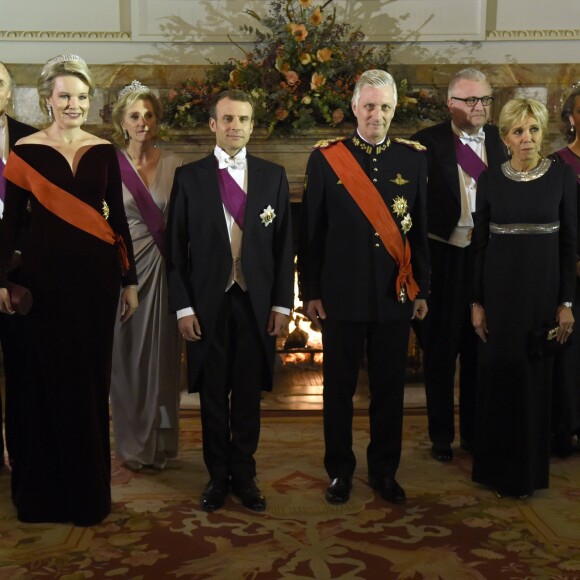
column 400, row 209
column 105, row 210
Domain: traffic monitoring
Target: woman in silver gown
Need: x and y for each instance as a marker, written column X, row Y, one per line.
column 145, row 384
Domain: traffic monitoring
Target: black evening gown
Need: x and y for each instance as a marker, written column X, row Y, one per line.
column 63, row 472
column 519, row 279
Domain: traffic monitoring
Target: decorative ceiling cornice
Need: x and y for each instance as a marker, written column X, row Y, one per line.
column 572, row 34
column 53, row 35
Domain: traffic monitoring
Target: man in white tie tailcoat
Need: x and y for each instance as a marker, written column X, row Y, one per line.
column 457, row 151
column 231, row 282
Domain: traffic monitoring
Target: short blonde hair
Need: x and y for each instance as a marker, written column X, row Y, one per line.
column 62, row 65
column 516, row 110
column 127, row 100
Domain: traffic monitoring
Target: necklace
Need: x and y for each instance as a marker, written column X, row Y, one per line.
column 540, row 169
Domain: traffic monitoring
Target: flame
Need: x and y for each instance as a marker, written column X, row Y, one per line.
column 313, row 351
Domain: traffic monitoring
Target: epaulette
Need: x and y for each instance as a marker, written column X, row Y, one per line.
column 413, row 144
column 323, row 143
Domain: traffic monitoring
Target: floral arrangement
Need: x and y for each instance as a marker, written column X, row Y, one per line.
column 301, row 72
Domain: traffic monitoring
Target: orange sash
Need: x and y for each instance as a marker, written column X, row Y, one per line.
column 368, row 198
column 62, row 204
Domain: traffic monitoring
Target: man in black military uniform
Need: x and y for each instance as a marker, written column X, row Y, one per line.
column 363, row 273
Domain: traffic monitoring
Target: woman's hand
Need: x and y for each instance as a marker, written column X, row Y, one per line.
column 5, row 303
column 479, row 321
column 565, row 320
column 129, row 302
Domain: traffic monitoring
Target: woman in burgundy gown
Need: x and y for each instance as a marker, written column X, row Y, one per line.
column 76, row 256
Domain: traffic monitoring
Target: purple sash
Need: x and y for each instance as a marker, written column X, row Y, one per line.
column 570, row 159
column 2, row 181
column 151, row 214
column 233, row 196
column 468, row 159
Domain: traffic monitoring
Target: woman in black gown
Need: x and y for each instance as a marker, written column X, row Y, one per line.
column 76, row 256
column 566, row 396
column 524, row 257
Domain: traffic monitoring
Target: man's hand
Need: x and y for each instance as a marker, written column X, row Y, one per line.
column 420, row 309
column 314, row 310
column 189, row 327
column 277, row 323
column 479, row 321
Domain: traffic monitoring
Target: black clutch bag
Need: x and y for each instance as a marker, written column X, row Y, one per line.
column 20, row 297
column 543, row 342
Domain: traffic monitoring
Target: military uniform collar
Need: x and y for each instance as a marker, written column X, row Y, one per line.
column 369, row 149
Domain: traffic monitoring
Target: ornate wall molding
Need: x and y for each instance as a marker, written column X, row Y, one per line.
column 53, row 35
column 572, row 34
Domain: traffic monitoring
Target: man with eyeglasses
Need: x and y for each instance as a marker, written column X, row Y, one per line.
column 458, row 150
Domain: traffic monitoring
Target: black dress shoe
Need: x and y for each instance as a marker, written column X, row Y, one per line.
column 442, row 453
column 214, row 494
column 250, row 494
column 389, row 489
column 339, row 490
column 502, row 493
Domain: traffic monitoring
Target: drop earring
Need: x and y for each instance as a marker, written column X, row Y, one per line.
column 126, row 134
column 50, row 115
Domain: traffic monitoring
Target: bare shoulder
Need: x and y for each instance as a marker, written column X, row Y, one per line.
column 38, row 138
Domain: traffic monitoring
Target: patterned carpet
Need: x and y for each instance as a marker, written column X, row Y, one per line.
column 449, row 528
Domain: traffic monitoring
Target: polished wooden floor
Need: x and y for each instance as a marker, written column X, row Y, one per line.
column 299, row 388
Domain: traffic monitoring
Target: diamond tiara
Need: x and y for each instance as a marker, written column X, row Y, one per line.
column 59, row 59
column 134, row 87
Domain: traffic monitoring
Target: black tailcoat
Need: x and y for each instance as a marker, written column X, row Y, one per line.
column 443, row 191
column 199, row 259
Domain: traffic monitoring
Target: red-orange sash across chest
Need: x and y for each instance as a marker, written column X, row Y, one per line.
column 368, row 198
column 62, row 204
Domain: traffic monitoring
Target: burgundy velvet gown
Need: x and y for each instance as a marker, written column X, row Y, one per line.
column 63, row 470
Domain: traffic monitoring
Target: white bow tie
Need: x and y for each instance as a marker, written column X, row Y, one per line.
column 479, row 138
column 232, row 163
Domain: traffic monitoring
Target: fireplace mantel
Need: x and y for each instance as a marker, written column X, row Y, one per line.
column 290, row 151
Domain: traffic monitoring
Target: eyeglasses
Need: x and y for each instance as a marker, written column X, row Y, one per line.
column 472, row 101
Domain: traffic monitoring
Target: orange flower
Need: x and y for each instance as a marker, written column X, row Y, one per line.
column 281, row 114
column 317, row 81
column 316, row 17
column 305, row 3
column 298, row 31
column 324, row 54
column 292, row 77
column 281, row 65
